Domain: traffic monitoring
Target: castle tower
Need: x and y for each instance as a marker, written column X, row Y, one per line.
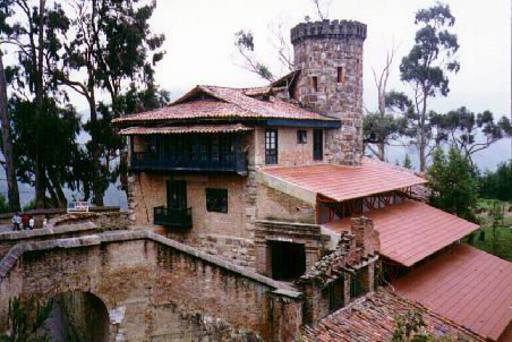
column 330, row 56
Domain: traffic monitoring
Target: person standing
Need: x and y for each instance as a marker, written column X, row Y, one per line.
column 16, row 221
column 24, row 221
column 31, row 223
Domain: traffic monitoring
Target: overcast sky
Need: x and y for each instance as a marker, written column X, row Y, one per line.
column 200, row 47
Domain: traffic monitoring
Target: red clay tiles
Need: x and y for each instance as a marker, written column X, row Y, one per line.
column 466, row 285
column 342, row 183
column 373, row 319
column 202, row 129
column 224, row 103
column 411, row 231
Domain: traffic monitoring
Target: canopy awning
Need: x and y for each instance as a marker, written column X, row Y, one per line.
column 411, row 231
column 339, row 183
column 466, row 285
column 197, row 129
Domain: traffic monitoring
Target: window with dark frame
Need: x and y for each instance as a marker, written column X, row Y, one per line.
column 217, row 200
column 314, row 81
column 318, row 144
column 302, row 136
column 271, row 146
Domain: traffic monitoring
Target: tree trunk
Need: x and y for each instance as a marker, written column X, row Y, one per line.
column 97, row 182
column 382, row 151
column 10, row 171
column 40, row 174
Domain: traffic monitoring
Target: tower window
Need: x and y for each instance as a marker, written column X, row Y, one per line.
column 217, row 200
column 314, row 81
column 302, row 136
column 341, row 75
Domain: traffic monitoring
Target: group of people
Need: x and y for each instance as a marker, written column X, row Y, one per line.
column 24, row 221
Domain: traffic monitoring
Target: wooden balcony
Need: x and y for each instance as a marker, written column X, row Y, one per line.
column 173, row 218
column 191, row 154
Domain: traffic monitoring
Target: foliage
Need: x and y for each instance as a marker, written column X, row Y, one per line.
column 244, row 42
column 495, row 236
column 497, row 184
column 454, row 184
column 426, row 69
column 407, row 162
column 411, row 327
column 26, row 317
column 4, row 206
column 467, row 131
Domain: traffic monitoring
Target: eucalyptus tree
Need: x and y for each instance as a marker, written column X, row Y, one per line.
column 111, row 43
column 37, row 29
column 426, row 68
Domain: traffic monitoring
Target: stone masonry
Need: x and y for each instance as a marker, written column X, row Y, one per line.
column 330, row 57
column 355, row 256
column 153, row 288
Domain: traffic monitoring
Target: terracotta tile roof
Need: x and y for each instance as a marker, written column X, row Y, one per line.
column 372, row 319
column 225, row 103
column 202, row 129
column 411, row 231
column 466, row 285
column 342, row 183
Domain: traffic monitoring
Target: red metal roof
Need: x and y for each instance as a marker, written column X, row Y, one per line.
column 201, row 129
column 225, row 103
column 466, row 285
column 342, row 182
column 373, row 319
column 411, row 231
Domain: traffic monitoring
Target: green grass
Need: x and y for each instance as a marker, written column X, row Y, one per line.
column 502, row 247
column 501, row 244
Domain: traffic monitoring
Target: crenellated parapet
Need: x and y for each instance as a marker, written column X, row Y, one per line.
column 335, row 29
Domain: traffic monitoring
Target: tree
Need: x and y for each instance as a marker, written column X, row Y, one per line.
column 453, row 183
column 468, row 132
column 426, row 69
column 497, row 184
column 381, row 127
column 97, row 32
column 37, row 30
column 244, row 42
column 407, row 162
column 7, row 148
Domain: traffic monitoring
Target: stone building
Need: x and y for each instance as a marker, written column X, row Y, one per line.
column 274, row 179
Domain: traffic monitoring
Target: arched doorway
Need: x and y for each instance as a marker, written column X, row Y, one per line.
column 78, row 316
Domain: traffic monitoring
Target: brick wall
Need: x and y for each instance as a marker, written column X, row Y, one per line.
column 155, row 288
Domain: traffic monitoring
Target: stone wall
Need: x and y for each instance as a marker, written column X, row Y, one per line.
column 300, row 233
column 322, row 50
column 10, row 239
column 276, row 205
column 154, row 288
column 329, row 280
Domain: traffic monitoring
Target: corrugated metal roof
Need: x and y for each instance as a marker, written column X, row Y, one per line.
column 466, row 285
column 342, row 183
column 200, row 129
column 373, row 319
column 411, row 231
column 225, row 103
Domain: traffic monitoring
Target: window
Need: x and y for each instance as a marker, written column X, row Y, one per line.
column 336, row 294
column 302, row 136
column 341, row 75
column 217, row 200
column 318, row 144
column 271, row 146
column 314, row 81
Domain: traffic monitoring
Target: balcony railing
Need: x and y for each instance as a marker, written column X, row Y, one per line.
column 191, row 153
column 142, row 161
column 173, row 218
